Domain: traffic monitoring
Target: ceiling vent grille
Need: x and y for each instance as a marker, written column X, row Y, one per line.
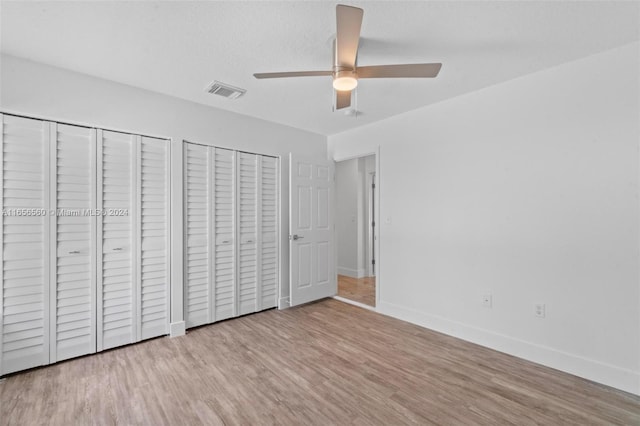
column 225, row 90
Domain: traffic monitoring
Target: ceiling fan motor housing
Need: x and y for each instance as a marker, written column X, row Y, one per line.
column 345, row 80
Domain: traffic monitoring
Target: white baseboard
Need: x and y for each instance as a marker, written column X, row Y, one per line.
column 610, row 375
column 353, row 273
column 283, row 303
column 177, row 329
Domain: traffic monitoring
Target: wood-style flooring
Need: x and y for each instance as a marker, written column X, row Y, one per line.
column 361, row 290
column 320, row 364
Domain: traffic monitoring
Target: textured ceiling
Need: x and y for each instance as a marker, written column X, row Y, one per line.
column 178, row 48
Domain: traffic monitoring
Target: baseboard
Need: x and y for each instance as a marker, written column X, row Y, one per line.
column 283, row 303
column 353, row 273
column 177, row 329
column 623, row 379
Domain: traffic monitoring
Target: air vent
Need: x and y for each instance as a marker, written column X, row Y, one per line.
column 225, row 90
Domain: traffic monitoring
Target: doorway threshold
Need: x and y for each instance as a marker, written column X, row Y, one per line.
column 353, row 302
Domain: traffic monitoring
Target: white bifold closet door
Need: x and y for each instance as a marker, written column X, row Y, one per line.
column 84, row 240
column 247, row 232
column 224, row 247
column 73, row 262
column 153, row 237
column 210, row 264
column 24, row 289
column 198, row 265
column 117, row 279
column 134, row 265
column 231, row 247
column 268, row 233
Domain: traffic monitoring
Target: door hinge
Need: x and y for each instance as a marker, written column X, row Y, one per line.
column 373, row 261
column 373, row 224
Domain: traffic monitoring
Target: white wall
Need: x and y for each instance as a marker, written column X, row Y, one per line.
column 42, row 91
column 347, row 217
column 527, row 190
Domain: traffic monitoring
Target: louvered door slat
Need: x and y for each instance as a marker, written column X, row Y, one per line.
column 117, row 301
column 224, row 234
column 73, row 315
column 247, row 232
column 154, row 237
column 24, row 281
column 197, row 214
column 269, row 232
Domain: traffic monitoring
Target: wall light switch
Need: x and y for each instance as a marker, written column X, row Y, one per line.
column 487, row 300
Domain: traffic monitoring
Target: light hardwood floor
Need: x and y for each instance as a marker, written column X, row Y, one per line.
column 323, row 363
column 361, row 290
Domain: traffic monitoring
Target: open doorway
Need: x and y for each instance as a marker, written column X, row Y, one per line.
column 356, row 229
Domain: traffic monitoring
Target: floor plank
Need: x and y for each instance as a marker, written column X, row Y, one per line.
column 361, row 290
column 322, row 363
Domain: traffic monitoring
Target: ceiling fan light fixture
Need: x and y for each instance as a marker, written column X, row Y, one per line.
column 345, row 81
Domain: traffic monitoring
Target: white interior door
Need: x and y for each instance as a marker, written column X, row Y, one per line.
column 117, row 276
column 231, row 226
column 24, row 234
column 247, row 232
column 153, row 237
column 311, row 245
column 224, row 252
column 198, row 216
column 73, row 262
column 268, row 233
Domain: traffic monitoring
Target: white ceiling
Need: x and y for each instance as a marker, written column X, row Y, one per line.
column 179, row 47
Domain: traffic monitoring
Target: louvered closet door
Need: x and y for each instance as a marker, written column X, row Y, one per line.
column 117, row 277
column 198, row 229
column 73, row 271
column 154, row 237
column 224, row 254
column 247, row 232
column 268, row 222
column 24, row 289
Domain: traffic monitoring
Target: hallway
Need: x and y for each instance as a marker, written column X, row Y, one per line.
column 361, row 290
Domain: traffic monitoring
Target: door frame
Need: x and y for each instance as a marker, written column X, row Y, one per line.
column 372, row 219
column 377, row 243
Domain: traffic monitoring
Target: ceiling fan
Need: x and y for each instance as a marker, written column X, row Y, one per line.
column 345, row 72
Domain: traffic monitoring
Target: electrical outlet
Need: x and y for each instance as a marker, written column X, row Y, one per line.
column 539, row 310
column 487, row 300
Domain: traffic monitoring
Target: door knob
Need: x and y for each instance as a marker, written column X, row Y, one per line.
column 296, row 237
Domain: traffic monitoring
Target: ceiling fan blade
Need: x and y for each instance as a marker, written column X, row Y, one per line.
column 399, row 71
column 291, row 74
column 343, row 99
column 349, row 22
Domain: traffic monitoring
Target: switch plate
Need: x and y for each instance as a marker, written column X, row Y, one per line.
column 487, row 300
column 539, row 310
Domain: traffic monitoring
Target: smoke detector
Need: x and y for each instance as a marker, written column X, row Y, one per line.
column 225, row 90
